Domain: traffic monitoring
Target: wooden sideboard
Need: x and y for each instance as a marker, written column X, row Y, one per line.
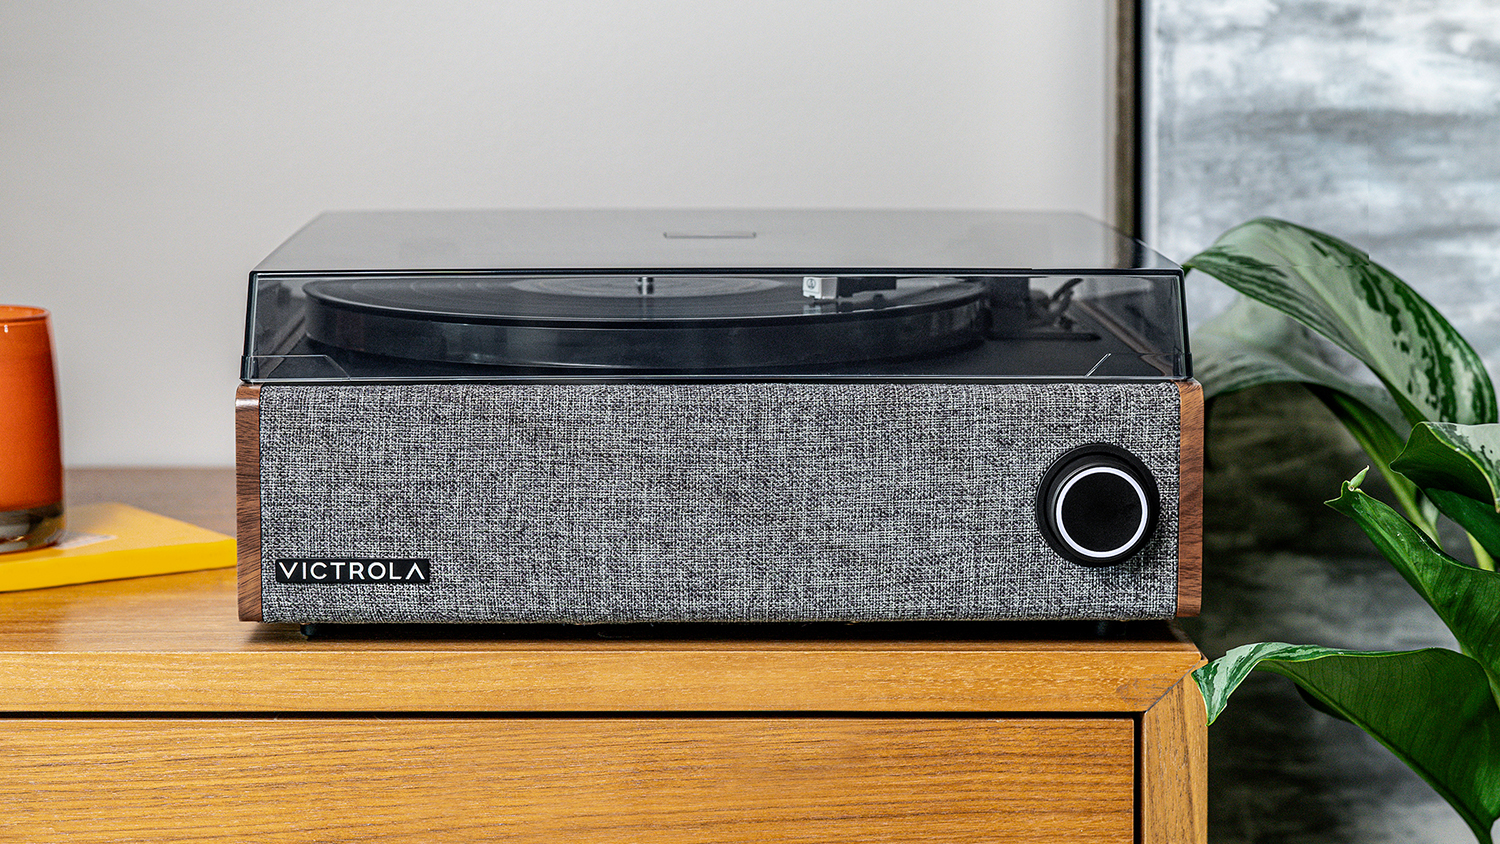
column 142, row 710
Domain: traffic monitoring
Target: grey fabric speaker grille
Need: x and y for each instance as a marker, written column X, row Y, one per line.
column 696, row 502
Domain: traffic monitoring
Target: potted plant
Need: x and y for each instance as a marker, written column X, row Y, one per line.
column 1428, row 422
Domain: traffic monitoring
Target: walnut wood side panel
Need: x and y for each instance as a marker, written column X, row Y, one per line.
column 1190, row 501
column 247, row 498
column 1174, row 768
column 584, row 780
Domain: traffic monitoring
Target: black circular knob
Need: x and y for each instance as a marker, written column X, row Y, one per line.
column 1097, row 505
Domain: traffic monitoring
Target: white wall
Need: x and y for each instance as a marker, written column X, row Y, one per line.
column 152, row 152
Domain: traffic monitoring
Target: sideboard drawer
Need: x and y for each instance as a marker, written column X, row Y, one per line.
column 576, row 779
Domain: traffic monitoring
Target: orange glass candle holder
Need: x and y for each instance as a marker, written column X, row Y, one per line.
column 31, row 494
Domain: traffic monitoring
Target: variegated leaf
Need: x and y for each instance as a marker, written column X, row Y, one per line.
column 1457, row 466
column 1250, row 344
column 1432, row 708
column 1467, row 599
column 1459, row 458
column 1336, row 290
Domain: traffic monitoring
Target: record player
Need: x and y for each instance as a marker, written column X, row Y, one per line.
column 678, row 416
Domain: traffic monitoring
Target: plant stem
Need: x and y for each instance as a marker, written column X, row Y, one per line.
column 1381, row 445
column 1482, row 559
column 1410, row 500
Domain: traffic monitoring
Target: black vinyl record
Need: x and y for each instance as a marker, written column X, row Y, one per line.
column 668, row 323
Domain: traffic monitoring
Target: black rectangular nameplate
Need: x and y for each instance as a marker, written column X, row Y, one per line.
column 352, row 570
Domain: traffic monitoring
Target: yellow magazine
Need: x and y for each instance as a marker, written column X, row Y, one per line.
column 111, row 541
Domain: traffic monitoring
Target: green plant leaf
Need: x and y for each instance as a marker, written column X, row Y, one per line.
column 1369, row 426
column 1459, row 458
column 1467, row 599
column 1337, row 291
column 1431, row 708
column 1457, row 466
column 1251, row 344
column 1477, row 518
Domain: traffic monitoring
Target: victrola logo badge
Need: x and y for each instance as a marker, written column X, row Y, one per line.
column 353, row 570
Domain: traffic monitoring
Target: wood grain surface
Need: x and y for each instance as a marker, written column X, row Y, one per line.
column 247, row 498
column 204, row 497
column 1174, row 768
column 905, row 732
column 575, row 780
column 174, row 644
column 1190, row 501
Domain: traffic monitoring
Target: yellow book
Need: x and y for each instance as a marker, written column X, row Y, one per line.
column 111, row 541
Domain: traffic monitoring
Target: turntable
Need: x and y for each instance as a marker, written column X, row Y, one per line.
column 654, row 416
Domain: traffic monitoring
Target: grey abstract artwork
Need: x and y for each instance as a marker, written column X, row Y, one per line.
column 1379, row 123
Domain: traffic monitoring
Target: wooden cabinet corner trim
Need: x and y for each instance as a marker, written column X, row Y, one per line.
column 1173, row 769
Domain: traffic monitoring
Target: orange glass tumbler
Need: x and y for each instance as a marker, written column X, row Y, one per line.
column 31, row 500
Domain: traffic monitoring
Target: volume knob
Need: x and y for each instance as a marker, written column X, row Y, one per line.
column 1097, row 505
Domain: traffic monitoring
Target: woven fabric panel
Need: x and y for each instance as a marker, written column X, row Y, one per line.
column 701, row 502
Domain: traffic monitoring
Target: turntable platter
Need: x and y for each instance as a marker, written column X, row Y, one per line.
column 668, row 323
